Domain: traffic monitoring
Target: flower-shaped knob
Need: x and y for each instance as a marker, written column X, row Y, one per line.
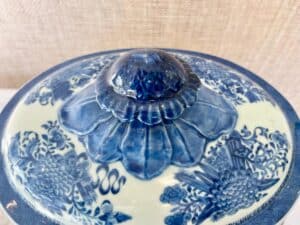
column 148, row 110
column 147, row 84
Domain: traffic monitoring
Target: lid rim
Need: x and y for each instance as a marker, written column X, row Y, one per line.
column 286, row 196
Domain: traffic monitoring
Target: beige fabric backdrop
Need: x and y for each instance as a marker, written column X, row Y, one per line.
column 262, row 35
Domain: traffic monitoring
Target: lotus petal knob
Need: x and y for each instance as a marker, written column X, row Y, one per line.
column 148, row 110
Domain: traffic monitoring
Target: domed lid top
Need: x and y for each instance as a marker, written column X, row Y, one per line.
column 147, row 84
column 147, row 75
column 198, row 139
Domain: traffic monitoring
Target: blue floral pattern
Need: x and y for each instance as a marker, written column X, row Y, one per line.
column 63, row 84
column 234, row 175
column 226, row 81
column 148, row 129
column 221, row 79
column 148, row 110
column 53, row 174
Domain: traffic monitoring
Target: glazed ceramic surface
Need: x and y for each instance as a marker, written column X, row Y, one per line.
column 148, row 136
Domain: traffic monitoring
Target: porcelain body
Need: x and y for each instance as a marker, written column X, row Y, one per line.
column 148, row 137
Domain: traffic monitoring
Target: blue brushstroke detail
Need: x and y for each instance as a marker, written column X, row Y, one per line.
column 226, row 82
column 220, row 78
column 148, row 129
column 63, row 84
column 237, row 172
column 53, row 174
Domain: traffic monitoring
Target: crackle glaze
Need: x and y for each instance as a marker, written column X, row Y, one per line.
column 148, row 136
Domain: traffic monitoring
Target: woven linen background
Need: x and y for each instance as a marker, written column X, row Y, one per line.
column 261, row 35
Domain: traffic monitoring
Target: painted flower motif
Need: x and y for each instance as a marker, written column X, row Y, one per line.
column 55, row 137
column 66, row 81
column 50, row 178
column 60, row 181
column 173, row 194
column 109, row 216
column 222, row 193
column 148, row 110
column 220, row 189
column 279, row 139
column 227, row 82
column 53, row 176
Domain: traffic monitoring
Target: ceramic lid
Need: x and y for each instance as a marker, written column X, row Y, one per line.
column 148, row 136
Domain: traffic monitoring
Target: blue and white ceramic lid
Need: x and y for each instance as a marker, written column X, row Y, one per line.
column 148, row 136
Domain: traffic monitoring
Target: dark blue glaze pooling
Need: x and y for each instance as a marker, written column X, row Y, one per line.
column 147, row 110
column 147, row 75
